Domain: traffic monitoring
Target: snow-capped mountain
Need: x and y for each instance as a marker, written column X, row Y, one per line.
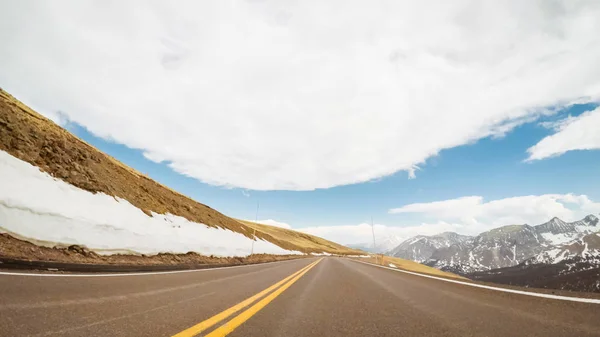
column 504, row 246
column 557, row 231
column 388, row 242
column 500, row 247
column 587, row 247
column 421, row 247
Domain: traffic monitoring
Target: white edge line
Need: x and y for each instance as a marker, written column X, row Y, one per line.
column 520, row 292
column 49, row 274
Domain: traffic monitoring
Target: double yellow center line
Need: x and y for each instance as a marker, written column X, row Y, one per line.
column 272, row 291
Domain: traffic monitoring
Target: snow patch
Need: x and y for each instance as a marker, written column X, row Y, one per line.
column 585, row 251
column 556, row 239
column 35, row 206
column 321, row 254
column 552, row 256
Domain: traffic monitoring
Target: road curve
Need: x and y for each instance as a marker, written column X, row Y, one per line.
column 308, row 297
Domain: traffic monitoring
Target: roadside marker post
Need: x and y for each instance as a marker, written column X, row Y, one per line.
column 374, row 246
column 254, row 232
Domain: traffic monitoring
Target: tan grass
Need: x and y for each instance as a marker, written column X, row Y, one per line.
column 409, row 265
column 307, row 241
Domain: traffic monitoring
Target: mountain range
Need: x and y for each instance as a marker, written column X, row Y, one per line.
column 507, row 246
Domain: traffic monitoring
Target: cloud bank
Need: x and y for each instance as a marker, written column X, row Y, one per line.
column 272, row 95
column 469, row 215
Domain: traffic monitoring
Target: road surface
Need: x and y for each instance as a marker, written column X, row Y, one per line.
column 318, row 297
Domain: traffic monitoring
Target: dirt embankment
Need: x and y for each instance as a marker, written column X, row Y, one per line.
column 33, row 138
column 13, row 250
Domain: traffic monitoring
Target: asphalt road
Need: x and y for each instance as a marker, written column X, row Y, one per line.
column 334, row 297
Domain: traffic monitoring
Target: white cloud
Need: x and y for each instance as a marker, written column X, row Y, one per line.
column 272, row 222
column 558, row 125
column 466, row 215
column 446, row 208
column 573, row 133
column 412, row 172
column 298, row 95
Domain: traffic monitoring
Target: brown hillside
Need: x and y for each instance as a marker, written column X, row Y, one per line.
column 33, row 138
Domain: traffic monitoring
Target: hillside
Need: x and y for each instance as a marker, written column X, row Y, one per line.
column 298, row 239
column 32, row 138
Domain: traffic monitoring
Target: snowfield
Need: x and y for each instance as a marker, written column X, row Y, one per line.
column 557, row 239
column 47, row 211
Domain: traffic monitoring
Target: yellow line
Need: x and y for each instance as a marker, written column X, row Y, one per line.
column 228, row 327
column 198, row 328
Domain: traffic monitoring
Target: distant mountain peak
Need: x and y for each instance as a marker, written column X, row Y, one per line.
column 556, row 220
column 449, row 234
column 504, row 230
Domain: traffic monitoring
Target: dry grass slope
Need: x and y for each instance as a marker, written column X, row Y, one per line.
column 411, row 266
column 300, row 239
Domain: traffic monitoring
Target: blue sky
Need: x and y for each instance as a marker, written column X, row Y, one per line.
column 494, row 168
column 461, row 119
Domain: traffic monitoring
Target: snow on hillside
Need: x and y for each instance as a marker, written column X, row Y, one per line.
column 587, row 248
column 420, row 248
column 558, row 232
column 38, row 208
column 506, row 246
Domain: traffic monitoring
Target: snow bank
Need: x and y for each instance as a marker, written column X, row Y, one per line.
column 564, row 238
column 321, row 254
column 39, row 208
